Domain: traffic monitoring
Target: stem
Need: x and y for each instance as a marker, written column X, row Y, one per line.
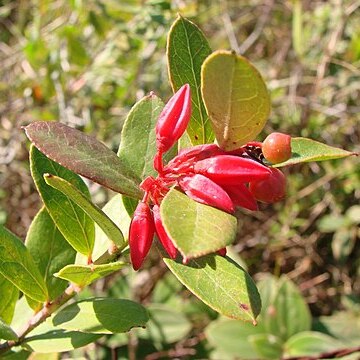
column 39, row 317
column 49, row 308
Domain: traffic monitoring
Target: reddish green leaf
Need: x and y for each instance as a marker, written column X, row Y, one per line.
column 84, row 155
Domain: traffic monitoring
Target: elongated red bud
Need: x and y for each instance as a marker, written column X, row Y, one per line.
column 141, row 234
column 186, row 157
column 241, row 196
column 174, row 119
column 231, row 170
column 205, row 191
column 161, row 233
column 270, row 190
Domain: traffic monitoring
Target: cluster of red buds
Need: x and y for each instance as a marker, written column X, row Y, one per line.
column 205, row 173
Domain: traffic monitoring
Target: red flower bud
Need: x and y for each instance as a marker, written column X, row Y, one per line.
column 184, row 161
column 174, row 119
column 161, row 233
column 140, row 234
column 277, row 147
column 270, row 190
column 231, row 170
column 241, row 196
column 205, row 191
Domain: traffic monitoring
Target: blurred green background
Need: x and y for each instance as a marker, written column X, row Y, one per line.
column 85, row 63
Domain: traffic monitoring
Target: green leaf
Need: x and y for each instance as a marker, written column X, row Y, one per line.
column 288, row 313
column 343, row 325
column 166, row 325
column 84, row 155
column 138, row 140
column 232, row 337
column 306, row 150
column 116, row 211
column 101, row 316
column 220, row 283
column 236, row 98
column 58, row 341
column 16, row 354
column 195, row 228
column 18, row 266
column 267, row 346
column 83, row 275
column 107, row 225
column 6, row 332
column 50, row 251
column 310, row 343
column 187, row 48
column 9, row 295
column 74, row 224
column 23, row 312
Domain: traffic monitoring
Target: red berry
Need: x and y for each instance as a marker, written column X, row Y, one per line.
column 270, row 190
column 277, row 147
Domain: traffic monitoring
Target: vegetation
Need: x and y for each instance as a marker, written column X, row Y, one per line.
column 86, row 64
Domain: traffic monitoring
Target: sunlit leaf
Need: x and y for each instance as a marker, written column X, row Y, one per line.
column 107, row 225
column 196, row 229
column 51, row 252
column 74, row 224
column 187, row 48
column 18, row 266
column 138, row 140
column 9, row 295
column 97, row 316
column 83, row 275
column 236, row 98
column 220, row 283
column 306, row 150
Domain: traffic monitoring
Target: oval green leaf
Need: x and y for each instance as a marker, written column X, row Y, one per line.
column 107, row 225
column 220, row 283
column 9, row 296
column 84, row 155
column 187, row 49
column 83, row 275
column 6, row 332
column 74, row 224
column 116, row 211
column 58, row 341
column 101, row 316
column 310, row 343
column 18, row 266
column 306, row 150
column 232, row 337
column 165, row 326
column 138, row 140
column 196, row 229
column 267, row 346
column 236, row 98
column 288, row 312
column 50, row 250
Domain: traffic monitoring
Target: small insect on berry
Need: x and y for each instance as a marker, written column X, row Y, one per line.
column 270, row 190
column 277, row 147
